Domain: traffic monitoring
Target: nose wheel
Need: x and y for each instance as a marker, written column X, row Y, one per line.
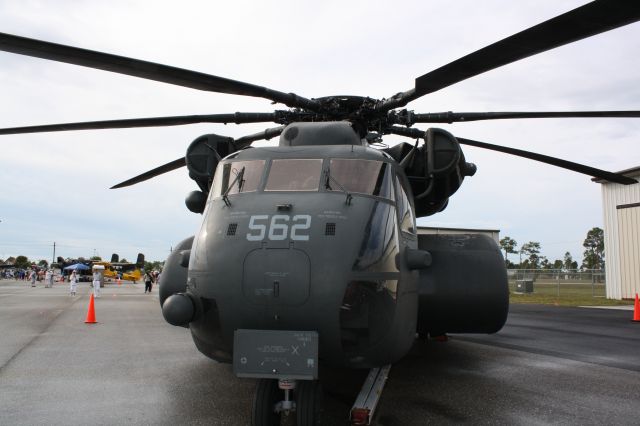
column 276, row 397
column 264, row 403
column 309, row 403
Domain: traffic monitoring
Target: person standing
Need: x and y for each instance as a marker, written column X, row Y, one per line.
column 73, row 283
column 147, row 282
column 48, row 281
column 33, row 278
column 97, row 277
column 50, row 278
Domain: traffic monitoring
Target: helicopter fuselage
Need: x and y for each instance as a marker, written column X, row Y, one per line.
column 307, row 238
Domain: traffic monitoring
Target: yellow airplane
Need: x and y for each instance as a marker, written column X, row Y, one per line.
column 124, row 270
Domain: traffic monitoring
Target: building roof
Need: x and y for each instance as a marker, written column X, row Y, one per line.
column 458, row 229
column 633, row 172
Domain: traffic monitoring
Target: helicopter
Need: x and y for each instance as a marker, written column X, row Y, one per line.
column 308, row 252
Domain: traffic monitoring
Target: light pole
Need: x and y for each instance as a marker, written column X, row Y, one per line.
column 520, row 265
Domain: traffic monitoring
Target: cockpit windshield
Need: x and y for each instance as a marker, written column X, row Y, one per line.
column 294, row 175
column 242, row 176
column 351, row 176
column 361, row 176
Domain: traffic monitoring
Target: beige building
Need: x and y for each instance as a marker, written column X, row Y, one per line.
column 621, row 211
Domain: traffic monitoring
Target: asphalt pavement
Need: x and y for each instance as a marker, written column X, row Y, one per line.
column 549, row 365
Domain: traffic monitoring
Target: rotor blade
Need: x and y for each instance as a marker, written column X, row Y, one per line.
column 237, row 118
column 175, row 164
column 569, row 165
column 144, row 69
column 585, row 21
column 266, row 135
column 239, row 143
column 455, row 117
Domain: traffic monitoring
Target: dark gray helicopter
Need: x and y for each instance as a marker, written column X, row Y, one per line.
column 308, row 252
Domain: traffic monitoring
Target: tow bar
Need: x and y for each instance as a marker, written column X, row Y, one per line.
column 367, row 400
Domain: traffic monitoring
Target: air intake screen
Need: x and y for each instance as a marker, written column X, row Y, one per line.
column 231, row 230
column 330, row 229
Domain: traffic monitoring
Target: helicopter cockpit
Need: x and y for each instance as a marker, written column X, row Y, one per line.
column 357, row 176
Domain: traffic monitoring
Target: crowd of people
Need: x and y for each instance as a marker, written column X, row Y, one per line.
column 49, row 276
column 23, row 274
column 30, row 274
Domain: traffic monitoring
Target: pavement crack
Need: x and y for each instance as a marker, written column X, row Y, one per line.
column 37, row 335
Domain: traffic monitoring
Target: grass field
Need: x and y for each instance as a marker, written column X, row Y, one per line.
column 568, row 293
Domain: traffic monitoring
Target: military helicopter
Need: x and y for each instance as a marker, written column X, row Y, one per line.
column 308, row 252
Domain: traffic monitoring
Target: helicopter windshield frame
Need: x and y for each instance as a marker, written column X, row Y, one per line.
column 225, row 178
column 357, row 176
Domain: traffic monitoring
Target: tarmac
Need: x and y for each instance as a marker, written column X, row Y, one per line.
column 549, row 365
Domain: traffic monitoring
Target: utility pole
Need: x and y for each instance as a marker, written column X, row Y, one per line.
column 54, row 253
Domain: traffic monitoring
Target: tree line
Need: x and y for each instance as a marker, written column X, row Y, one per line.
column 530, row 257
column 23, row 262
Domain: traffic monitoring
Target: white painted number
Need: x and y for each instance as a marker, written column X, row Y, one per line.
column 257, row 227
column 300, row 227
column 279, row 231
column 279, row 227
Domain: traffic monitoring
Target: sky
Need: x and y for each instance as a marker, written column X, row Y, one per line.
column 54, row 186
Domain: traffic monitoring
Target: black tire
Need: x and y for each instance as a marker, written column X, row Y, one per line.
column 309, row 403
column 264, row 402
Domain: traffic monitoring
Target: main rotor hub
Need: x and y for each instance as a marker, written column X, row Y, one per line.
column 344, row 107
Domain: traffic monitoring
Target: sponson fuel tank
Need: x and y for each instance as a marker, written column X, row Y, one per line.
column 465, row 290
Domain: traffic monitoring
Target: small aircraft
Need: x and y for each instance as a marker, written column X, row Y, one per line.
column 308, row 252
column 123, row 270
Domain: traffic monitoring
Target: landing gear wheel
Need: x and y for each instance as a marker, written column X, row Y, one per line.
column 264, row 402
column 309, row 404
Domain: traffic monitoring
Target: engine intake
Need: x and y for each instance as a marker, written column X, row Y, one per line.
column 435, row 170
column 203, row 156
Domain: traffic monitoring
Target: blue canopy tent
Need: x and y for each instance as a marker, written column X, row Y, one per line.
column 77, row 267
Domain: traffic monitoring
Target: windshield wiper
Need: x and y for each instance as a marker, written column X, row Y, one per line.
column 328, row 186
column 240, row 181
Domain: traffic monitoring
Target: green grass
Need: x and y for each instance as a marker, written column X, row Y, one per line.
column 568, row 294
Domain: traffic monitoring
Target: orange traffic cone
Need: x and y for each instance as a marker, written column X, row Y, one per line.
column 636, row 310
column 91, row 313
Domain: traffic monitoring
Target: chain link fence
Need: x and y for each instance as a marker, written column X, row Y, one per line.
column 558, row 282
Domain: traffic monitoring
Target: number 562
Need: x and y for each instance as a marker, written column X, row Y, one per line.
column 278, row 229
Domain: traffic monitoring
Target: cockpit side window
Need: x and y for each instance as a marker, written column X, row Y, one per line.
column 407, row 220
column 294, row 175
column 361, row 176
column 242, row 176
